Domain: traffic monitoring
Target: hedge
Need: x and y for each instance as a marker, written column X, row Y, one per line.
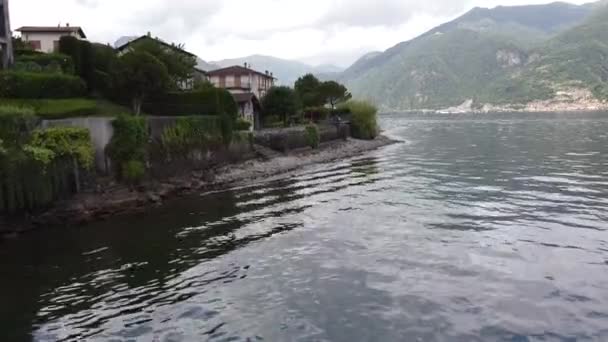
column 189, row 134
column 212, row 101
column 128, row 143
column 38, row 166
column 26, row 85
column 364, row 121
column 45, row 63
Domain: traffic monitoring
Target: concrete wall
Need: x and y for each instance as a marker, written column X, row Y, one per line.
column 101, row 133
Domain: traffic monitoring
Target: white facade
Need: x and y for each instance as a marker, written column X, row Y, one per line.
column 43, row 41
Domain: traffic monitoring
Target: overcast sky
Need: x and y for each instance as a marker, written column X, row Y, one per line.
column 313, row 31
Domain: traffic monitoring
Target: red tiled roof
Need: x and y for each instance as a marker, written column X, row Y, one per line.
column 54, row 29
column 236, row 70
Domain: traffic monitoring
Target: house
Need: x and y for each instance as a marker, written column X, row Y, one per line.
column 197, row 74
column 249, row 108
column 6, row 47
column 46, row 38
column 242, row 79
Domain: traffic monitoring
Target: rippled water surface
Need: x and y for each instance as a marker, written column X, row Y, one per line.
column 476, row 228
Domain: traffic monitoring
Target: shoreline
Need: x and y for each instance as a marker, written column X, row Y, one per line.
column 499, row 111
column 119, row 200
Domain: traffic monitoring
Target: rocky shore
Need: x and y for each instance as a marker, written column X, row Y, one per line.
column 115, row 199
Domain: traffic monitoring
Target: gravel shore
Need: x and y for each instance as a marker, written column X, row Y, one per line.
column 252, row 170
column 119, row 200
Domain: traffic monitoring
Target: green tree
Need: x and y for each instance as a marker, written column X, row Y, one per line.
column 334, row 93
column 308, row 89
column 281, row 102
column 142, row 75
column 180, row 65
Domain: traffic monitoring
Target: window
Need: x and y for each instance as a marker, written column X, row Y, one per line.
column 35, row 44
column 55, row 46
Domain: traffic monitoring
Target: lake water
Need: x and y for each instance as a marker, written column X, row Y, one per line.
column 475, row 228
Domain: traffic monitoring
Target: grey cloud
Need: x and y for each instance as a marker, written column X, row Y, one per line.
column 174, row 20
column 88, row 3
column 367, row 13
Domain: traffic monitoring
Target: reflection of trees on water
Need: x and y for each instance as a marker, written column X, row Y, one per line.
column 151, row 249
column 136, row 251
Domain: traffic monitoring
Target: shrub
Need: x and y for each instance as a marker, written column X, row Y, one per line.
column 51, row 62
column 40, row 166
column 209, row 101
column 128, row 141
column 66, row 142
column 363, row 120
column 133, row 172
column 273, row 121
column 313, row 136
column 16, row 123
column 190, row 134
column 26, row 85
column 81, row 53
column 242, row 125
column 316, row 114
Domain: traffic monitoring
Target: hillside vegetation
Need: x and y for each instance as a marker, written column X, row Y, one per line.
column 506, row 55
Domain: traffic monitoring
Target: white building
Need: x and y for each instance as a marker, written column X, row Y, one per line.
column 241, row 79
column 46, row 39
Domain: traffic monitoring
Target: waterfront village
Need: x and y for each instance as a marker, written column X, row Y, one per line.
column 89, row 130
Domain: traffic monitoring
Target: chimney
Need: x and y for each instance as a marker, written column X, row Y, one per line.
column 149, row 34
column 67, row 24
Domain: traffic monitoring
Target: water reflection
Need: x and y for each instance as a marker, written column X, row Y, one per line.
column 473, row 229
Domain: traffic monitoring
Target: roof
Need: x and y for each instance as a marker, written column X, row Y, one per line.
column 171, row 46
column 200, row 70
column 236, row 70
column 53, row 29
column 244, row 97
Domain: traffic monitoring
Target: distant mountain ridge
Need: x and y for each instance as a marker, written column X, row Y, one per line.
column 286, row 71
column 486, row 56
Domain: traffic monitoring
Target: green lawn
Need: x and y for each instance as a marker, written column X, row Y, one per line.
column 67, row 108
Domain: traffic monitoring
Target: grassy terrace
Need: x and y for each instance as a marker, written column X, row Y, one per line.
column 67, row 108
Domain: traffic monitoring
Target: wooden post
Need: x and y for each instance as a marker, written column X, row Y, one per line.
column 6, row 43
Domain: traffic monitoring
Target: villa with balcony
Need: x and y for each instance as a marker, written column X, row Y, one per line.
column 242, row 79
column 247, row 86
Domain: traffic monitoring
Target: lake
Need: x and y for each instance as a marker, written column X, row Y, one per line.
column 475, row 228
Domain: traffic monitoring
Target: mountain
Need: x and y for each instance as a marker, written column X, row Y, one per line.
column 494, row 56
column 286, row 71
column 206, row 66
column 124, row 40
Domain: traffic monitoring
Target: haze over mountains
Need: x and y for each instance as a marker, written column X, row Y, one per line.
column 506, row 55
column 286, row 71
